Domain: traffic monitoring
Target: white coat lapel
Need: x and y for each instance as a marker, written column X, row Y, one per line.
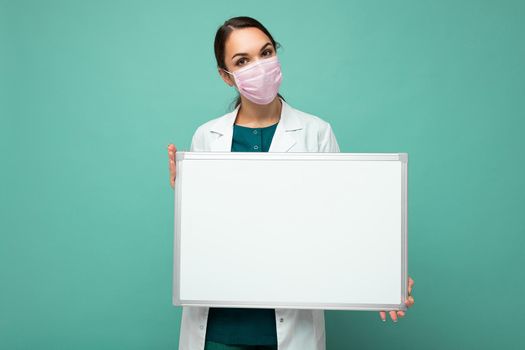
column 282, row 140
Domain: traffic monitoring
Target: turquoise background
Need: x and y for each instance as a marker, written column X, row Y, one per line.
column 92, row 92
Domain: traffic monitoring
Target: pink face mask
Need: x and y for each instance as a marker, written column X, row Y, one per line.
column 259, row 82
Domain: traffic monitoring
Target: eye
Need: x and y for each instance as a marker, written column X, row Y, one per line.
column 239, row 62
column 266, row 53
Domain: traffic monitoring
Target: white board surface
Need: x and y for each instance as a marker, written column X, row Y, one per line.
column 291, row 230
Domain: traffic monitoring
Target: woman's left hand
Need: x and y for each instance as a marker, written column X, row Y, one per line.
column 409, row 302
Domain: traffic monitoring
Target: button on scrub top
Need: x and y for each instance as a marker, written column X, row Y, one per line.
column 245, row 326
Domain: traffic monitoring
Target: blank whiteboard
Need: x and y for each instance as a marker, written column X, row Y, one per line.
column 297, row 230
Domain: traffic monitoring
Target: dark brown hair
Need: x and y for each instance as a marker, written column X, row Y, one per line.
column 224, row 32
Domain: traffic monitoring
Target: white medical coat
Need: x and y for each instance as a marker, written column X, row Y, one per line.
column 297, row 131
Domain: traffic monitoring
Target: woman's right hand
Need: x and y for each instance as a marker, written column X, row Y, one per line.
column 171, row 155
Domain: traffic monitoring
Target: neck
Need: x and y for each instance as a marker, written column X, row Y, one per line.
column 253, row 115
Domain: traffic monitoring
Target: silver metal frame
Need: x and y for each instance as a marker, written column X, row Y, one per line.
column 186, row 155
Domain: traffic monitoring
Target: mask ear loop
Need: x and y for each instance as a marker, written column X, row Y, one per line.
column 230, row 74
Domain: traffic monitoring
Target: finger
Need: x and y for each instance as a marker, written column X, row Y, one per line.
column 382, row 314
column 171, row 151
column 393, row 315
column 410, row 284
column 172, row 167
column 173, row 171
column 409, row 301
column 400, row 313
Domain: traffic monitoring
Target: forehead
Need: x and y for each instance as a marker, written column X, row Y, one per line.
column 248, row 40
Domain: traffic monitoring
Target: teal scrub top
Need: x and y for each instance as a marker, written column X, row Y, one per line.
column 245, row 326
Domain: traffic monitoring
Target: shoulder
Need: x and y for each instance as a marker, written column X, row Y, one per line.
column 312, row 121
column 309, row 120
column 320, row 129
column 317, row 130
column 201, row 136
column 204, row 127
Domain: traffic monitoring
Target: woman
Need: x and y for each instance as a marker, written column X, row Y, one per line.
column 262, row 121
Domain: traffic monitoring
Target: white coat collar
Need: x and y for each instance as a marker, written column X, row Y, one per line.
column 283, row 138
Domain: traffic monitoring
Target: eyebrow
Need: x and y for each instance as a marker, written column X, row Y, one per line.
column 245, row 54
